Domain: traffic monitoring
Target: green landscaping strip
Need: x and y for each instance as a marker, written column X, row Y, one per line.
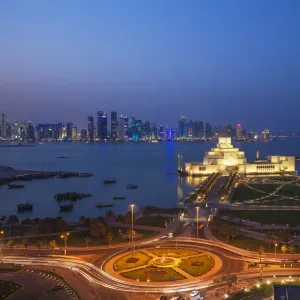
column 154, row 274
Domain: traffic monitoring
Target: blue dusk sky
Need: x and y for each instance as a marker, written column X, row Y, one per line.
column 220, row 61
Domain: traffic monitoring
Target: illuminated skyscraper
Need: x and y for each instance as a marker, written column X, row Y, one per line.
column 102, row 125
column 239, row 132
column 90, row 125
column 74, row 133
column 114, row 124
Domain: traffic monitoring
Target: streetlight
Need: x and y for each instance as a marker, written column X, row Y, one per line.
column 2, row 234
column 275, row 246
column 132, row 207
column 65, row 237
column 197, row 210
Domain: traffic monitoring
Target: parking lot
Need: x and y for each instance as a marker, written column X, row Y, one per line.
column 38, row 285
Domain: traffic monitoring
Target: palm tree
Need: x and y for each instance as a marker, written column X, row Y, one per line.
column 269, row 236
column 25, row 244
column 10, row 244
column 53, row 245
column 39, row 244
column 261, row 250
column 284, row 249
column 87, row 240
column 292, row 250
column 109, row 237
column 109, row 215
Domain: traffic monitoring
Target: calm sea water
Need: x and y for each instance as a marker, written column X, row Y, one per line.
column 144, row 164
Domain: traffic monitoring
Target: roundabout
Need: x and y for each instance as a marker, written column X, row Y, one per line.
column 167, row 266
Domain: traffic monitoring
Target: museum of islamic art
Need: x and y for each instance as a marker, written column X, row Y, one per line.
column 226, row 159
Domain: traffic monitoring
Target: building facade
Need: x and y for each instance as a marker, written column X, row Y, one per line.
column 91, row 129
column 113, row 124
column 225, row 158
column 102, row 125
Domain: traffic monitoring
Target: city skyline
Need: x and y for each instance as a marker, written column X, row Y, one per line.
column 230, row 62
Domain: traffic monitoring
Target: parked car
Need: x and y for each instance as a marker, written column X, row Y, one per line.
column 57, row 288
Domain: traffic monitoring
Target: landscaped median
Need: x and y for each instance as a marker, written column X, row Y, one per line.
column 162, row 265
column 8, row 288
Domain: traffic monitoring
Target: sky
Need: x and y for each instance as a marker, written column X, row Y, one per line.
column 220, row 61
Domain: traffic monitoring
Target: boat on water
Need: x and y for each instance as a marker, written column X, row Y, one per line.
column 100, row 204
column 15, row 186
column 24, row 207
column 118, row 198
column 109, row 181
column 132, row 186
column 66, row 207
column 71, row 196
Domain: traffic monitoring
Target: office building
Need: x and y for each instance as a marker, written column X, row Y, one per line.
column 114, row 124
column 208, row 130
column 121, row 129
column 30, row 132
column 69, row 127
column 3, row 125
column 74, row 133
column 83, row 135
column 43, row 131
column 91, row 128
column 239, row 132
column 102, row 125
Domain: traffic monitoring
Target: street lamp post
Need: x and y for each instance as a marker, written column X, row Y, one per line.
column 2, row 234
column 65, row 237
column 132, row 207
column 275, row 246
column 197, row 209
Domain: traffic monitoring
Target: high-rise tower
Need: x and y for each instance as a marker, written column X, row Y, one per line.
column 113, row 124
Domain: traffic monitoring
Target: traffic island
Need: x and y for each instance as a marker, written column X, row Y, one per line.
column 163, row 265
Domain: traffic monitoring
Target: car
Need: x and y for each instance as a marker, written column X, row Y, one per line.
column 163, row 297
column 194, row 293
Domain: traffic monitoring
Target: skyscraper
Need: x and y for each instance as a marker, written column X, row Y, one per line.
column 239, row 132
column 102, row 125
column 69, row 126
column 90, row 125
column 208, row 130
column 121, row 129
column 3, row 125
column 182, row 127
column 83, row 134
column 126, row 127
column 74, row 133
column 30, row 132
column 114, row 124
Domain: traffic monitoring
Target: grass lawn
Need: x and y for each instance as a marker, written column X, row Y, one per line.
column 172, row 252
column 290, row 217
column 7, row 288
column 153, row 274
column 122, row 264
column 243, row 193
column 245, row 242
column 289, row 190
column 188, row 267
column 155, row 221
